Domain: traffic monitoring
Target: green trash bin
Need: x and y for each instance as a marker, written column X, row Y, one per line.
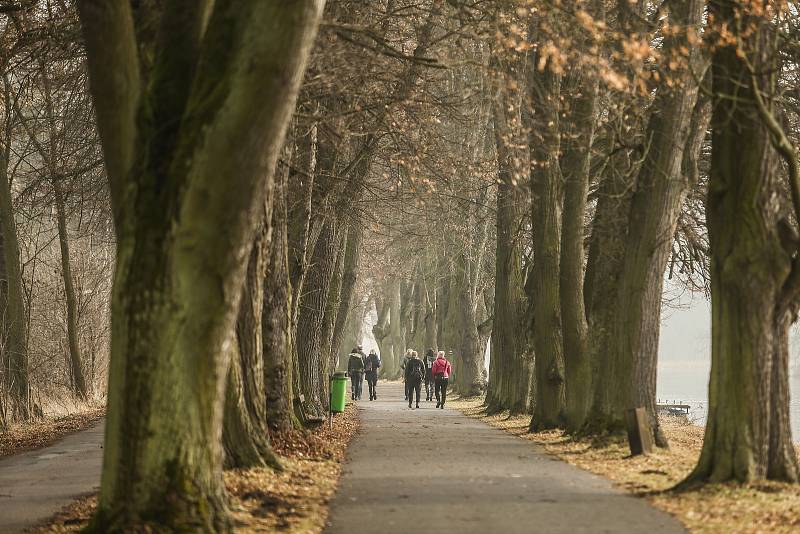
column 338, row 392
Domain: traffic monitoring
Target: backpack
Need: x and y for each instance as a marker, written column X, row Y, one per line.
column 368, row 364
column 416, row 371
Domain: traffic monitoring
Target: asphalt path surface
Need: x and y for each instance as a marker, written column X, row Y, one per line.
column 431, row 470
column 36, row 484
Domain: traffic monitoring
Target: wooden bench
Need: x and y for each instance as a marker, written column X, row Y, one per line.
column 299, row 406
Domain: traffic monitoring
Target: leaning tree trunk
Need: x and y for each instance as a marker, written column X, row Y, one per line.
column 69, row 291
column 547, row 205
column 186, row 189
column 754, row 279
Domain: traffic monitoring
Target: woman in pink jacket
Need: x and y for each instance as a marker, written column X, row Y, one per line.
column 441, row 375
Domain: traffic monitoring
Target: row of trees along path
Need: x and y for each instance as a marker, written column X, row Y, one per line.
column 268, row 184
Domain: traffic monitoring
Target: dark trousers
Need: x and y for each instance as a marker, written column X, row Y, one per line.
column 413, row 386
column 429, row 385
column 357, row 380
column 372, row 381
column 441, row 389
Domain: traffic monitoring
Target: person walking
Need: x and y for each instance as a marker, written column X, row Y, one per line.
column 441, row 374
column 414, row 374
column 371, row 365
column 403, row 364
column 355, row 368
column 430, row 357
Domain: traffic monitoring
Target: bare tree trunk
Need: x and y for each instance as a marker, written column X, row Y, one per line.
column 575, row 167
column 69, row 291
column 754, row 277
column 508, row 379
column 547, row 207
column 276, row 322
column 355, row 232
column 311, row 340
column 16, row 334
column 655, row 206
column 183, row 234
column 244, row 433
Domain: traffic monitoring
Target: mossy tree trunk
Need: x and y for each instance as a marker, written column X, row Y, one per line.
column 244, row 435
column 581, row 90
column 276, row 321
column 547, row 205
column 508, row 376
column 311, row 335
column 754, row 268
column 655, row 206
column 186, row 192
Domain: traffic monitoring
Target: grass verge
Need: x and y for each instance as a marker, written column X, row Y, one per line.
column 765, row 507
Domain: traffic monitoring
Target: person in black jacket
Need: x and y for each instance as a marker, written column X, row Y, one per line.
column 355, row 368
column 414, row 374
column 430, row 356
column 371, row 364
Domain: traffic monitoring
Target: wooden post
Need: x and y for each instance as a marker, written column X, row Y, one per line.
column 640, row 437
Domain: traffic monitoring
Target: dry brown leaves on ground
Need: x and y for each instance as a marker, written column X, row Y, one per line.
column 714, row 508
column 43, row 432
column 294, row 500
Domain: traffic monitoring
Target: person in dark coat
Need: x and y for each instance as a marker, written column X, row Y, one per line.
column 355, row 368
column 403, row 370
column 430, row 356
column 371, row 365
column 414, row 375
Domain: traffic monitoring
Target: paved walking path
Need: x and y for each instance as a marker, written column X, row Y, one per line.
column 36, row 484
column 439, row 471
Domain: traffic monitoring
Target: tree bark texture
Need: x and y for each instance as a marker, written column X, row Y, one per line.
column 312, row 334
column 79, row 380
column 15, row 349
column 183, row 233
column 276, row 321
column 547, row 205
column 655, row 206
column 753, row 275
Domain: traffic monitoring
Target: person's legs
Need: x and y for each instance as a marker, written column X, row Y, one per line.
column 370, row 385
column 444, row 391
column 437, row 388
column 352, row 386
column 418, row 389
column 360, row 385
column 405, row 385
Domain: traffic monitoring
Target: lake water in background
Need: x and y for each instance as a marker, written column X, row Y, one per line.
column 685, row 361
